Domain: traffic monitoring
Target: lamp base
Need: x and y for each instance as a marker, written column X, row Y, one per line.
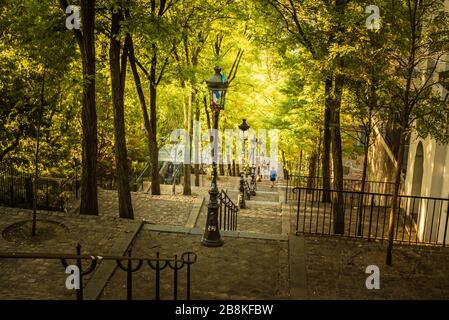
column 212, row 243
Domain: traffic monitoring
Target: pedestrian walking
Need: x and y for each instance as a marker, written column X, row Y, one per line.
column 273, row 176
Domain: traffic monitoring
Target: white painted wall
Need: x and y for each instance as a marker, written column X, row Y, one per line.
column 435, row 183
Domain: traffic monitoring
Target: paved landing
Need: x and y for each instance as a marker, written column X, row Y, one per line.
column 241, row 269
column 262, row 260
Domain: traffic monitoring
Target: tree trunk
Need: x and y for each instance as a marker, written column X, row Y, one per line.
column 154, row 151
column 284, row 163
column 312, row 170
column 9, row 148
column 394, row 211
column 143, row 104
column 364, row 173
column 320, row 140
column 197, row 165
column 337, row 197
column 36, row 158
column 118, row 79
column 187, row 191
column 221, row 167
column 233, row 168
column 327, row 139
column 89, row 198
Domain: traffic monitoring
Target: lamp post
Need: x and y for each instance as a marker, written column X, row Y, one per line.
column 217, row 85
column 244, row 128
column 254, row 144
column 259, row 158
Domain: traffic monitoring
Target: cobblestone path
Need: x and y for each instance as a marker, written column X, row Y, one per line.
column 336, row 270
column 244, row 268
column 241, row 269
column 45, row 279
column 163, row 209
column 261, row 215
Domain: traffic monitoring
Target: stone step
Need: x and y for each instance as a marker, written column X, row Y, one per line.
column 103, row 273
column 231, row 234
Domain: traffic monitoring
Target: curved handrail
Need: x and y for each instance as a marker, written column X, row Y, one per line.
column 247, row 189
column 228, row 212
column 87, row 264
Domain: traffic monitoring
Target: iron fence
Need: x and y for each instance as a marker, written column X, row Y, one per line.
column 227, row 214
column 16, row 190
column 247, row 189
column 421, row 220
column 253, row 185
column 295, row 181
column 107, row 182
column 138, row 181
column 124, row 263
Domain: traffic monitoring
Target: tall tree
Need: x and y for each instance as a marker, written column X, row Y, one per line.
column 118, row 60
column 324, row 43
column 159, row 57
column 420, row 43
column 367, row 89
column 195, row 26
column 86, row 43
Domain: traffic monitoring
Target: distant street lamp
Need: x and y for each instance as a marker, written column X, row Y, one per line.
column 217, row 85
column 244, row 128
column 252, row 169
column 259, row 157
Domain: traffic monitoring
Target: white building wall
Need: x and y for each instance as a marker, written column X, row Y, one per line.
column 435, row 183
column 429, row 152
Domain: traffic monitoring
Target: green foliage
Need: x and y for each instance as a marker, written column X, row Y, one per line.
column 279, row 81
column 34, row 74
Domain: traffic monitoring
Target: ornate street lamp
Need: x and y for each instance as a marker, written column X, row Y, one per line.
column 252, row 169
column 217, row 85
column 244, row 128
column 260, row 156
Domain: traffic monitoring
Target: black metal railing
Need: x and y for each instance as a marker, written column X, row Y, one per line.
column 124, row 263
column 228, row 212
column 137, row 182
column 16, row 190
column 253, row 185
column 107, row 182
column 55, row 194
column 173, row 174
column 247, row 189
column 295, row 181
column 421, row 220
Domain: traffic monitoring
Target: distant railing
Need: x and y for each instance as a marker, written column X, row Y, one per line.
column 228, row 212
column 247, row 189
column 295, row 181
column 173, row 174
column 253, row 184
column 421, row 220
column 137, row 183
column 16, row 190
column 125, row 263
